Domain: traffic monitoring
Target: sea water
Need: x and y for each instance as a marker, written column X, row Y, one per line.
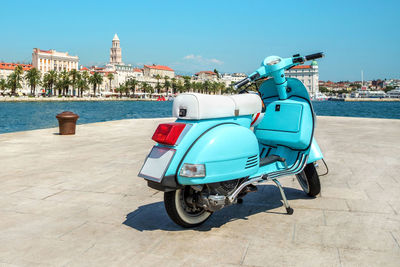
column 22, row 116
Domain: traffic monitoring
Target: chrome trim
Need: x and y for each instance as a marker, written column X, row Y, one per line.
column 233, row 196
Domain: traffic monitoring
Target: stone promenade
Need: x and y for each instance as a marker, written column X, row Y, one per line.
column 77, row 201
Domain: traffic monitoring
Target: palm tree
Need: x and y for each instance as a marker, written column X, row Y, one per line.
column 221, row 87
column 81, row 84
column 110, row 77
column 167, row 84
column 14, row 79
column 121, row 89
column 49, row 79
column 174, row 86
column 180, row 86
column 85, row 78
column 12, row 83
column 158, row 86
column 64, row 81
column 195, row 87
column 147, row 88
column 58, row 85
column 74, row 77
column 3, row 85
column 206, row 86
column 132, row 85
column 186, row 83
column 33, row 77
column 96, row 79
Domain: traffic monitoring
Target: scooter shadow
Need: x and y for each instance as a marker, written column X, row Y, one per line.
column 153, row 216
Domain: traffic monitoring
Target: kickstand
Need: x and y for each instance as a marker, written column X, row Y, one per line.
column 289, row 210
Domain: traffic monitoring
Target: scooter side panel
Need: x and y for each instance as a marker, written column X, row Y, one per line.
column 197, row 128
column 225, row 151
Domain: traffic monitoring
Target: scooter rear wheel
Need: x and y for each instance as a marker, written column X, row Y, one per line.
column 182, row 212
column 309, row 180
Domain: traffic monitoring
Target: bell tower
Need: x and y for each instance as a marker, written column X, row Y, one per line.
column 115, row 51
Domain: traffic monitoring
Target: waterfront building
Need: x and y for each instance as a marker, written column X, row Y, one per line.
column 8, row 68
column 115, row 51
column 46, row 60
column 229, row 78
column 206, row 75
column 121, row 73
column 154, row 70
column 308, row 75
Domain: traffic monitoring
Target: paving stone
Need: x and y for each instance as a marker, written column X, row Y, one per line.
column 291, row 255
column 352, row 257
column 354, row 237
column 87, row 207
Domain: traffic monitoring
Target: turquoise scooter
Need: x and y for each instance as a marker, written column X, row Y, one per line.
column 220, row 147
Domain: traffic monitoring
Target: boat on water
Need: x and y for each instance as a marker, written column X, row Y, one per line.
column 318, row 96
column 368, row 94
column 395, row 93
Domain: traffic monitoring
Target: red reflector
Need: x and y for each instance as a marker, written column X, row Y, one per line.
column 168, row 133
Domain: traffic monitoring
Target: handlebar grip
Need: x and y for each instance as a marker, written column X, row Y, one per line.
column 241, row 83
column 314, row 56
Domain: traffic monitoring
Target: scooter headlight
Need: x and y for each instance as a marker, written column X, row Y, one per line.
column 193, row 170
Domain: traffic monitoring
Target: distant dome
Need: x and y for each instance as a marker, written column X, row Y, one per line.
column 314, row 63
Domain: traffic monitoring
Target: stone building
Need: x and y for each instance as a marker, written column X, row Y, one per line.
column 115, row 51
column 154, row 70
column 206, row 76
column 46, row 60
column 308, row 75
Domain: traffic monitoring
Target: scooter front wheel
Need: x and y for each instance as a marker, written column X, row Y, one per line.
column 181, row 211
column 309, row 180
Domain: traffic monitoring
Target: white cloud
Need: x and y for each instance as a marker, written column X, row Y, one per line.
column 202, row 60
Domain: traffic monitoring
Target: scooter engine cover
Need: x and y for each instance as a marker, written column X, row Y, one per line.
column 228, row 152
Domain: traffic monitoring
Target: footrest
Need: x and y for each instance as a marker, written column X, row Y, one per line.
column 271, row 159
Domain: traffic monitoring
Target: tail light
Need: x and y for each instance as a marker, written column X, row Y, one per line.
column 168, row 133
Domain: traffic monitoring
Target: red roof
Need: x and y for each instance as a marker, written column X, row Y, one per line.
column 206, row 72
column 45, row 51
column 137, row 70
column 302, row 67
column 158, row 67
column 11, row 66
column 84, row 68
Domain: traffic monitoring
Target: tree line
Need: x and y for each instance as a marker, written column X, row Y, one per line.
column 73, row 82
column 173, row 85
column 63, row 83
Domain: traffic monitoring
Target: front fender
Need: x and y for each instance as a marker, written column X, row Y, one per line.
column 225, row 151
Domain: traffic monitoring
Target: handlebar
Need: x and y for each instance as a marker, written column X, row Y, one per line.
column 241, row 83
column 245, row 81
column 271, row 64
column 314, row 56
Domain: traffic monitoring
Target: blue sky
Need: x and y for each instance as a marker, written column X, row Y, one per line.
column 232, row 36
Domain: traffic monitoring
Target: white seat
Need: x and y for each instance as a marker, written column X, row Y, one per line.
column 193, row 106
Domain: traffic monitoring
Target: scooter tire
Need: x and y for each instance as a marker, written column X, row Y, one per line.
column 313, row 182
column 173, row 206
